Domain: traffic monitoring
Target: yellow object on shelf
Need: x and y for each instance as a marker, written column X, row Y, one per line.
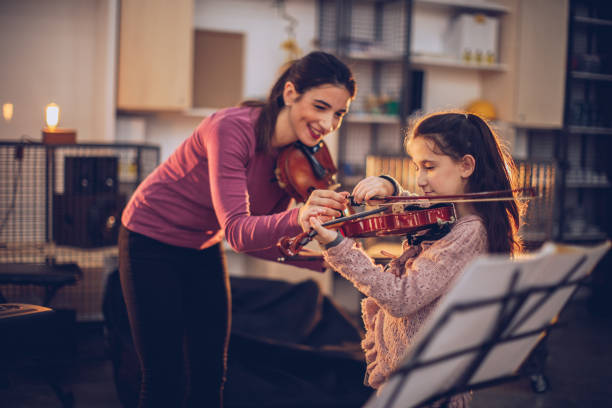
column 482, row 108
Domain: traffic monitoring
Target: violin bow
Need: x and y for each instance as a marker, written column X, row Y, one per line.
column 502, row 195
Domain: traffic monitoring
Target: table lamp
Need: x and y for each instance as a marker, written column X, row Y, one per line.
column 51, row 133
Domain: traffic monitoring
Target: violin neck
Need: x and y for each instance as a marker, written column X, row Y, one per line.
column 339, row 221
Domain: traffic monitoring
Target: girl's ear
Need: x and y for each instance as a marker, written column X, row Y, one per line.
column 290, row 94
column 467, row 165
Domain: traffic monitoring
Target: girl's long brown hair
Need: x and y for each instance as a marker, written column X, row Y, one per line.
column 315, row 69
column 456, row 134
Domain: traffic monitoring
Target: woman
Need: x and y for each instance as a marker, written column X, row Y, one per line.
column 219, row 183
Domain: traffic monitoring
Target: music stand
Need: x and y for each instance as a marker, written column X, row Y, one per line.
column 488, row 323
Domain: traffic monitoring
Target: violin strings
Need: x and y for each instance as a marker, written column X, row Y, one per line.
column 417, row 201
column 463, row 200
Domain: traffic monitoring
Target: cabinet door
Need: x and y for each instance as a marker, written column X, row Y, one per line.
column 541, row 61
column 534, row 46
column 155, row 55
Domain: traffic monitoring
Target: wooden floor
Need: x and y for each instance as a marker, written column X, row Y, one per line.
column 578, row 368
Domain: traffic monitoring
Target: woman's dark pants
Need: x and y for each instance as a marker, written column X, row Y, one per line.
column 179, row 307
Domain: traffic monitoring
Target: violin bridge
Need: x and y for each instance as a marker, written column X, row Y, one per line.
column 397, row 208
column 442, row 223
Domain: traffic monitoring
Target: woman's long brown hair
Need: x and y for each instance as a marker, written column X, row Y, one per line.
column 315, row 69
column 457, row 134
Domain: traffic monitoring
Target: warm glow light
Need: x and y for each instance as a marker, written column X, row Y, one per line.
column 52, row 114
column 7, row 111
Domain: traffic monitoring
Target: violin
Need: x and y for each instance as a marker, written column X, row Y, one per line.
column 300, row 169
column 410, row 221
column 368, row 224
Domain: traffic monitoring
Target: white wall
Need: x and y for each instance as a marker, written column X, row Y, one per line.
column 264, row 29
column 443, row 88
column 65, row 51
column 448, row 88
column 60, row 51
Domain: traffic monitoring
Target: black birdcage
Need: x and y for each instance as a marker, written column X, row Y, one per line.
column 61, row 204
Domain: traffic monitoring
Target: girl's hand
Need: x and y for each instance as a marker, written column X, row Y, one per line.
column 324, row 235
column 370, row 187
column 324, row 204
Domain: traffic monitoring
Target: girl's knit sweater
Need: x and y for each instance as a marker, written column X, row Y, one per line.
column 401, row 296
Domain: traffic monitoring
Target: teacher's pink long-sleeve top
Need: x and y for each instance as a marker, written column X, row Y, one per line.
column 216, row 184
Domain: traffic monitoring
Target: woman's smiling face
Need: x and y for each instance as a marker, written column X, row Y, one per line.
column 317, row 112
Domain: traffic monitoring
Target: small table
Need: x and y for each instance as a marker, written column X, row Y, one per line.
column 51, row 276
column 20, row 318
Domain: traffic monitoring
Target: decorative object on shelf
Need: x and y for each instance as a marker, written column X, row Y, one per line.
column 586, row 62
column 290, row 45
column 482, row 108
column 586, row 178
column 51, row 134
column 382, row 104
column 473, row 38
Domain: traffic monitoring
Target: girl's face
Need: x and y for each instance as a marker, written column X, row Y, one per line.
column 439, row 174
column 317, row 112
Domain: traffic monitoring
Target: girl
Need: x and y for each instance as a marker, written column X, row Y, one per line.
column 218, row 183
column 454, row 153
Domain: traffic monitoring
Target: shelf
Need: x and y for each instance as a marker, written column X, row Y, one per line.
column 372, row 118
column 375, row 56
column 591, row 76
column 585, row 184
column 593, row 21
column 131, row 182
column 199, row 112
column 424, row 61
column 534, row 236
column 588, row 185
column 584, row 236
column 591, row 130
column 473, row 5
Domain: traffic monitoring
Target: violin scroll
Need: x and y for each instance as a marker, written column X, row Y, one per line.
column 291, row 246
column 300, row 169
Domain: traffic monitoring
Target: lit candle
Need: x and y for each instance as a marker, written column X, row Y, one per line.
column 52, row 114
column 7, row 111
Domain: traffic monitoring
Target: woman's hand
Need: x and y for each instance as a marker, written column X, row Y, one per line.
column 324, row 204
column 370, row 187
column 324, row 235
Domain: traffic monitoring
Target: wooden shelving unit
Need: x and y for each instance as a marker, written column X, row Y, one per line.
column 585, row 191
column 375, row 39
